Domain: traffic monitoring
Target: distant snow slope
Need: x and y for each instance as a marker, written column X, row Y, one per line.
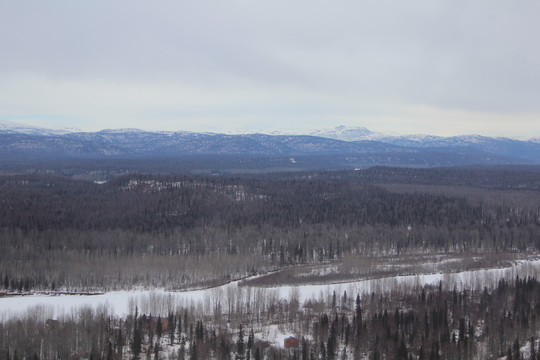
column 12, row 127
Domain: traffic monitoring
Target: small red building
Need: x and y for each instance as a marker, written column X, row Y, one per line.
column 154, row 320
column 291, row 342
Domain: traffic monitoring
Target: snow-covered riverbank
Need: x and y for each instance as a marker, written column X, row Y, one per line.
column 160, row 301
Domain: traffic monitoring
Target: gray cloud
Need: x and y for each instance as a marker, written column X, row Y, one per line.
column 337, row 61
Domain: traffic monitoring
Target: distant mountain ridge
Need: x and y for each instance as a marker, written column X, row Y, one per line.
column 422, row 140
column 24, row 142
column 527, row 150
column 11, row 127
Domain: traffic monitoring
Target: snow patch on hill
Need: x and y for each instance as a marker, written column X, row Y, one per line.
column 12, row 127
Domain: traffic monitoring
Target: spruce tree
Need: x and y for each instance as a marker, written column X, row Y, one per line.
column 516, row 349
column 137, row 339
column 304, row 349
column 109, row 351
column 251, row 340
column 193, row 351
column 199, row 330
column 240, row 342
column 120, row 342
column 358, row 318
column 402, row 351
column 323, row 351
column 171, row 327
column 159, row 328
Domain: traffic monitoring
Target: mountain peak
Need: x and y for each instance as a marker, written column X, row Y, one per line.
column 348, row 133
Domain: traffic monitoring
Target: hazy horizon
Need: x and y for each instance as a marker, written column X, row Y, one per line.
column 312, row 131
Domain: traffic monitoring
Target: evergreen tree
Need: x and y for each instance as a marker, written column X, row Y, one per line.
column 171, row 326
column 304, row 349
column 120, row 341
column 193, row 351
column 137, row 339
column 109, row 351
column 240, row 342
column 182, row 352
column 462, row 330
column 358, row 317
column 421, row 355
column 516, row 350
column 402, row 351
column 199, row 331
column 332, row 339
column 251, row 340
column 323, row 351
column 179, row 324
column 224, row 350
column 159, row 328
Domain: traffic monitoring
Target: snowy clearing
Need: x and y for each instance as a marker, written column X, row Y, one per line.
column 160, row 301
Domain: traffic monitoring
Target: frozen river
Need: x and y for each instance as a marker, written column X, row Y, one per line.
column 160, row 301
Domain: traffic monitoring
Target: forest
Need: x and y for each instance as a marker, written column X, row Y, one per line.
column 191, row 231
column 422, row 323
column 178, row 232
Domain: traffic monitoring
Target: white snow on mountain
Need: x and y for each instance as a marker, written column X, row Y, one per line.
column 346, row 133
column 12, row 127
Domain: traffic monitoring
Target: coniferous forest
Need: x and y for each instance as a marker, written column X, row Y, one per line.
column 63, row 235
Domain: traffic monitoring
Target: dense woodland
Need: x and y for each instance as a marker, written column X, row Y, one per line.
column 185, row 231
column 60, row 234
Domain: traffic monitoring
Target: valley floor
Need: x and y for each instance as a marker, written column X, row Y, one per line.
column 304, row 283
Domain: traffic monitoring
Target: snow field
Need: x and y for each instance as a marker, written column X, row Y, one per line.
column 208, row 301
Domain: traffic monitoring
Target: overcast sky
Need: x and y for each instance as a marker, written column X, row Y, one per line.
column 445, row 68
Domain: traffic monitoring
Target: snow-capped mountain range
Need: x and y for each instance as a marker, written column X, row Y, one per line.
column 18, row 141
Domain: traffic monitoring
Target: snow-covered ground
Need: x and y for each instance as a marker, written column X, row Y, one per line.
column 160, row 301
